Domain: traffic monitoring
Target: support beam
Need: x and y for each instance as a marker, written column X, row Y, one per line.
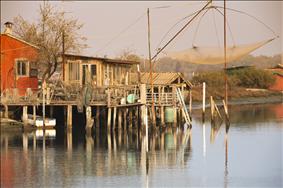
column 119, row 119
column 25, row 115
column 89, row 119
column 97, row 116
column 109, row 119
column 114, row 117
column 69, row 116
column 203, row 101
column 162, row 115
column 6, row 114
column 34, row 113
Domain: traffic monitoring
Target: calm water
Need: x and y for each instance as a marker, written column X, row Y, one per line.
column 249, row 155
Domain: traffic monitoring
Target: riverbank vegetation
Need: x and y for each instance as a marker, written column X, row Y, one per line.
column 239, row 83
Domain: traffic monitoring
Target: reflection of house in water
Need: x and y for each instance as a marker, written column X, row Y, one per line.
column 116, row 154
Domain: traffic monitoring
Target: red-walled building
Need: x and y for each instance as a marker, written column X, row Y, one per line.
column 278, row 75
column 18, row 63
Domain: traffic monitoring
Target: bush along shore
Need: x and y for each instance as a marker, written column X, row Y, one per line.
column 248, row 85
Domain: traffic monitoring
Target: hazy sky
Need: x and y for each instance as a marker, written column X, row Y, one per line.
column 105, row 20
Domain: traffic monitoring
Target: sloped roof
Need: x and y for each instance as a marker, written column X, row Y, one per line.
column 16, row 38
column 106, row 60
column 163, row 78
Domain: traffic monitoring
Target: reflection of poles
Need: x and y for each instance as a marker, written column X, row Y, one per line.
column 69, row 140
column 226, row 160
column 203, row 138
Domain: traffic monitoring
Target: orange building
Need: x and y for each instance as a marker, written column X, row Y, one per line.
column 278, row 74
column 18, row 63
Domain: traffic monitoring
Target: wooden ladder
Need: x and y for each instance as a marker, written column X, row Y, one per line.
column 183, row 106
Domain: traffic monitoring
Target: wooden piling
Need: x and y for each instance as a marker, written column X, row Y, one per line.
column 6, row 114
column 69, row 116
column 34, row 113
column 114, row 118
column 25, row 115
column 51, row 111
column 109, row 119
column 190, row 104
column 125, row 119
column 162, row 115
column 130, row 117
column 89, row 119
column 119, row 119
column 97, row 116
column 212, row 108
column 203, row 98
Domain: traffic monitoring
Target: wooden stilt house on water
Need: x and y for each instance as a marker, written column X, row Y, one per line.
column 102, row 71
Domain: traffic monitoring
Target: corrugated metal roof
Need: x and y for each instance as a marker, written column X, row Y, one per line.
column 106, row 60
column 163, row 78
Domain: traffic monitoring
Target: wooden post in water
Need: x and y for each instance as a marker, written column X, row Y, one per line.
column 130, row 117
column 97, row 116
column 109, row 119
column 190, row 105
column 119, row 119
column 89, row 120
column 114, row 118
column 212, row 108
column 34, row 113
column 125, row 119
column 43, row 101
column 203, row 99
column 69, row 116
column 25, row 114
column 143, row 106
column 226, row 111
column 6, row 114
column 51, row 111
column 162, row 115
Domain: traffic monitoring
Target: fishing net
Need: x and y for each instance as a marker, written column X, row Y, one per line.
column 214, row 55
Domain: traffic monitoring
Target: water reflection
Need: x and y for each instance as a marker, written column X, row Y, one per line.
column 75, row 158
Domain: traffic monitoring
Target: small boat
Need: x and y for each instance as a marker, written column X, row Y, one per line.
column 49, row 122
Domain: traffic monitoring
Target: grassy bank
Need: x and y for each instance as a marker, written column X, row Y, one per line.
column 239, row 80
column 233, row 93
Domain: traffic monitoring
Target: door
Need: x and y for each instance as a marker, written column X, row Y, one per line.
column 89, row 74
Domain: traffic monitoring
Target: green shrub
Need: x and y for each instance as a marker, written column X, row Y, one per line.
column 246, row 77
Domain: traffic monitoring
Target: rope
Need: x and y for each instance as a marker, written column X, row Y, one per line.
column 233, row 40
column 215, row 28
column 122, row 32
column 251, row 17
column 195, row 34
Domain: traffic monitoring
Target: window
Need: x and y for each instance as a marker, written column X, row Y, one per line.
column 74, row 70
column 22, row 67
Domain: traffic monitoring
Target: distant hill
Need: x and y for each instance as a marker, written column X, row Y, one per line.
column 171, row 65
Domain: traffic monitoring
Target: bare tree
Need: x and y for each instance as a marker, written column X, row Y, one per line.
column 49, row 33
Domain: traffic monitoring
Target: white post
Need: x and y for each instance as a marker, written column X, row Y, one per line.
column 203, row 97
column 204, row 140
column 43, row 101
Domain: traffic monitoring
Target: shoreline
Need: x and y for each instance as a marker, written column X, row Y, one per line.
column 243, row 101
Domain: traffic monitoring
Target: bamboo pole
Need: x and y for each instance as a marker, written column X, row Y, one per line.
column 151, row 70
column 225, row 56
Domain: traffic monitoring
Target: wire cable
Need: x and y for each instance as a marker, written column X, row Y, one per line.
column 122, row 32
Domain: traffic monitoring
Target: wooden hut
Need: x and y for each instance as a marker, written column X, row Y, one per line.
column 102, row 71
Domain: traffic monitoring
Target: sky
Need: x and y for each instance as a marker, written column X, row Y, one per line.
column 104, row 21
